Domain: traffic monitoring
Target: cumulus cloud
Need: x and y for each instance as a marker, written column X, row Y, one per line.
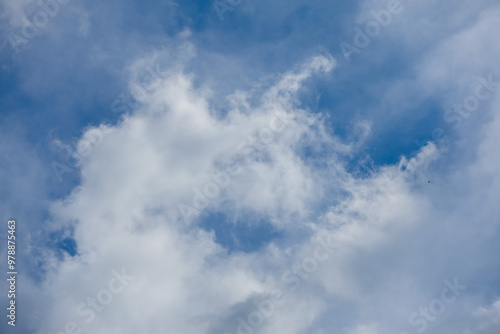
column 126, row 218
column 135, row 179
column 488, row 318
column 361, row 254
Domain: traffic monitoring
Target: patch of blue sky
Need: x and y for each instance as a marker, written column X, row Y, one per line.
column 247, row 234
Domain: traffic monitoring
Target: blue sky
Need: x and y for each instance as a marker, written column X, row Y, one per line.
column 209, row 155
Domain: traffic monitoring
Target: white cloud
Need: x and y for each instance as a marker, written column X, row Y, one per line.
column 397, row 236
column 125, row 213
column 487, row 319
